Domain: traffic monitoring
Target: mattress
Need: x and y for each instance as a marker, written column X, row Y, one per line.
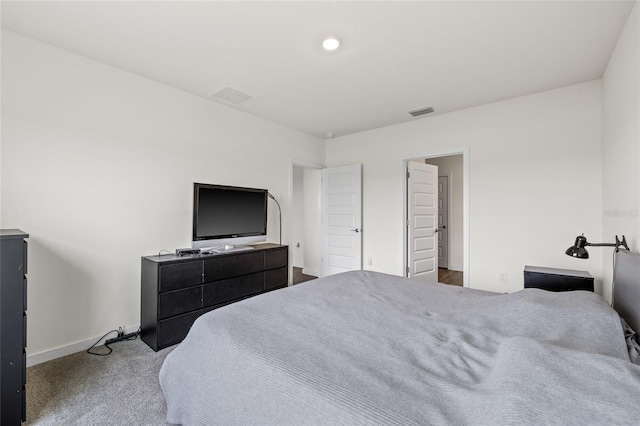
column 370, row 348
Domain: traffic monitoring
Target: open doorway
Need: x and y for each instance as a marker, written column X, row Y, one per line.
column 304, row 222
column 325, row 219
column 450, row 225
column 437, row 249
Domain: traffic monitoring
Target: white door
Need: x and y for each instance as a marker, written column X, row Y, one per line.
column 443, row 221
column 422, row 194
column 341, row 219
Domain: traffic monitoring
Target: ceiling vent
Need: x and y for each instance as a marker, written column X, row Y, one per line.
column 421, row 111
column 232, row 96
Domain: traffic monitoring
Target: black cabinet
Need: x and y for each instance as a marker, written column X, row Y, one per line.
column 175, row 290
column 554, row 279
column 13, row 326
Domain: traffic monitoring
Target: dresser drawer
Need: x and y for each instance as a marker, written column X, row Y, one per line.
column 24, row 330
column 276, row 258
column 25, row 253
column 24, row 370
column 226, row 290
column 180, row 275
column 227, row 266
column 276, row 278
column 174, row 330
column 554, row 279
column 24, row 401
column 179, row 302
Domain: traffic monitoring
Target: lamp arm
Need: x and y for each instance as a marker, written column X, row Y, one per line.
column 617, row 244
column 279, row 215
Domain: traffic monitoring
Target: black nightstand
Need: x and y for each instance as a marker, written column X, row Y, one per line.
column 554, row 279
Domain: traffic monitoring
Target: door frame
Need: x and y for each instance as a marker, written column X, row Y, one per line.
column 465, row 204
column 306, row 165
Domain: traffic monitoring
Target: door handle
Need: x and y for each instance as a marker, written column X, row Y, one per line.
column 355, row 230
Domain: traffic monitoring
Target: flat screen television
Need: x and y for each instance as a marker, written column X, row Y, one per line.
column 227, row 217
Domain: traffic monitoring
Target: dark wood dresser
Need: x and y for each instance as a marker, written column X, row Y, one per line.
column 554, row 279
column 13, row 326
column 176, row 290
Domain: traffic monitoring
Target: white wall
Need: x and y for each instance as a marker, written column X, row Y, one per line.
column 533, row 159
column 621, row 144
column 98, row 166
column 451, row 165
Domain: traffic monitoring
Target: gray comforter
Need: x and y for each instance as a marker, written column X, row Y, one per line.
column 370, row 348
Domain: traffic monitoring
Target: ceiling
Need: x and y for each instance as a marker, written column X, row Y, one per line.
column 395, row 56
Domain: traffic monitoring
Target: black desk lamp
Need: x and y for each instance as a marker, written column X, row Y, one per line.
column 578, row 248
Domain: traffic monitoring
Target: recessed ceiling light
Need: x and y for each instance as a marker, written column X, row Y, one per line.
column 331, row 43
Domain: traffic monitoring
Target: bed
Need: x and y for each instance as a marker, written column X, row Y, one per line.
column 370, row 348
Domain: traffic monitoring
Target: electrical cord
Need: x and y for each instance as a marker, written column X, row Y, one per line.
column 135, row 336
column 613, row 281
column 105, row 345
column 121, row 335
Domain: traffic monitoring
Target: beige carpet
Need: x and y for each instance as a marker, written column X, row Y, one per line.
column 82, row 389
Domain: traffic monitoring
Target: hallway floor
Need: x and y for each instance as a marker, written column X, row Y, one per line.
column 446, row 276
column 299, row 277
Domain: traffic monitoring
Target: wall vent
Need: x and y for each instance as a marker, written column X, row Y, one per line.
column 421, row 111
column 232, row 96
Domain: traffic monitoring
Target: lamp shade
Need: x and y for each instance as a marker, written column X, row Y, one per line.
column 577, row 249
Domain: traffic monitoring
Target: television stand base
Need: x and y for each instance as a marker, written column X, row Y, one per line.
column 228, row 249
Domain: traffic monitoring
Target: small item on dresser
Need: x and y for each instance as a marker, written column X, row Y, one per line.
column 187, row 252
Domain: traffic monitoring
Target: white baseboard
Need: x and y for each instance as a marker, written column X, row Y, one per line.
column 311, row 272
column 72, row 348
